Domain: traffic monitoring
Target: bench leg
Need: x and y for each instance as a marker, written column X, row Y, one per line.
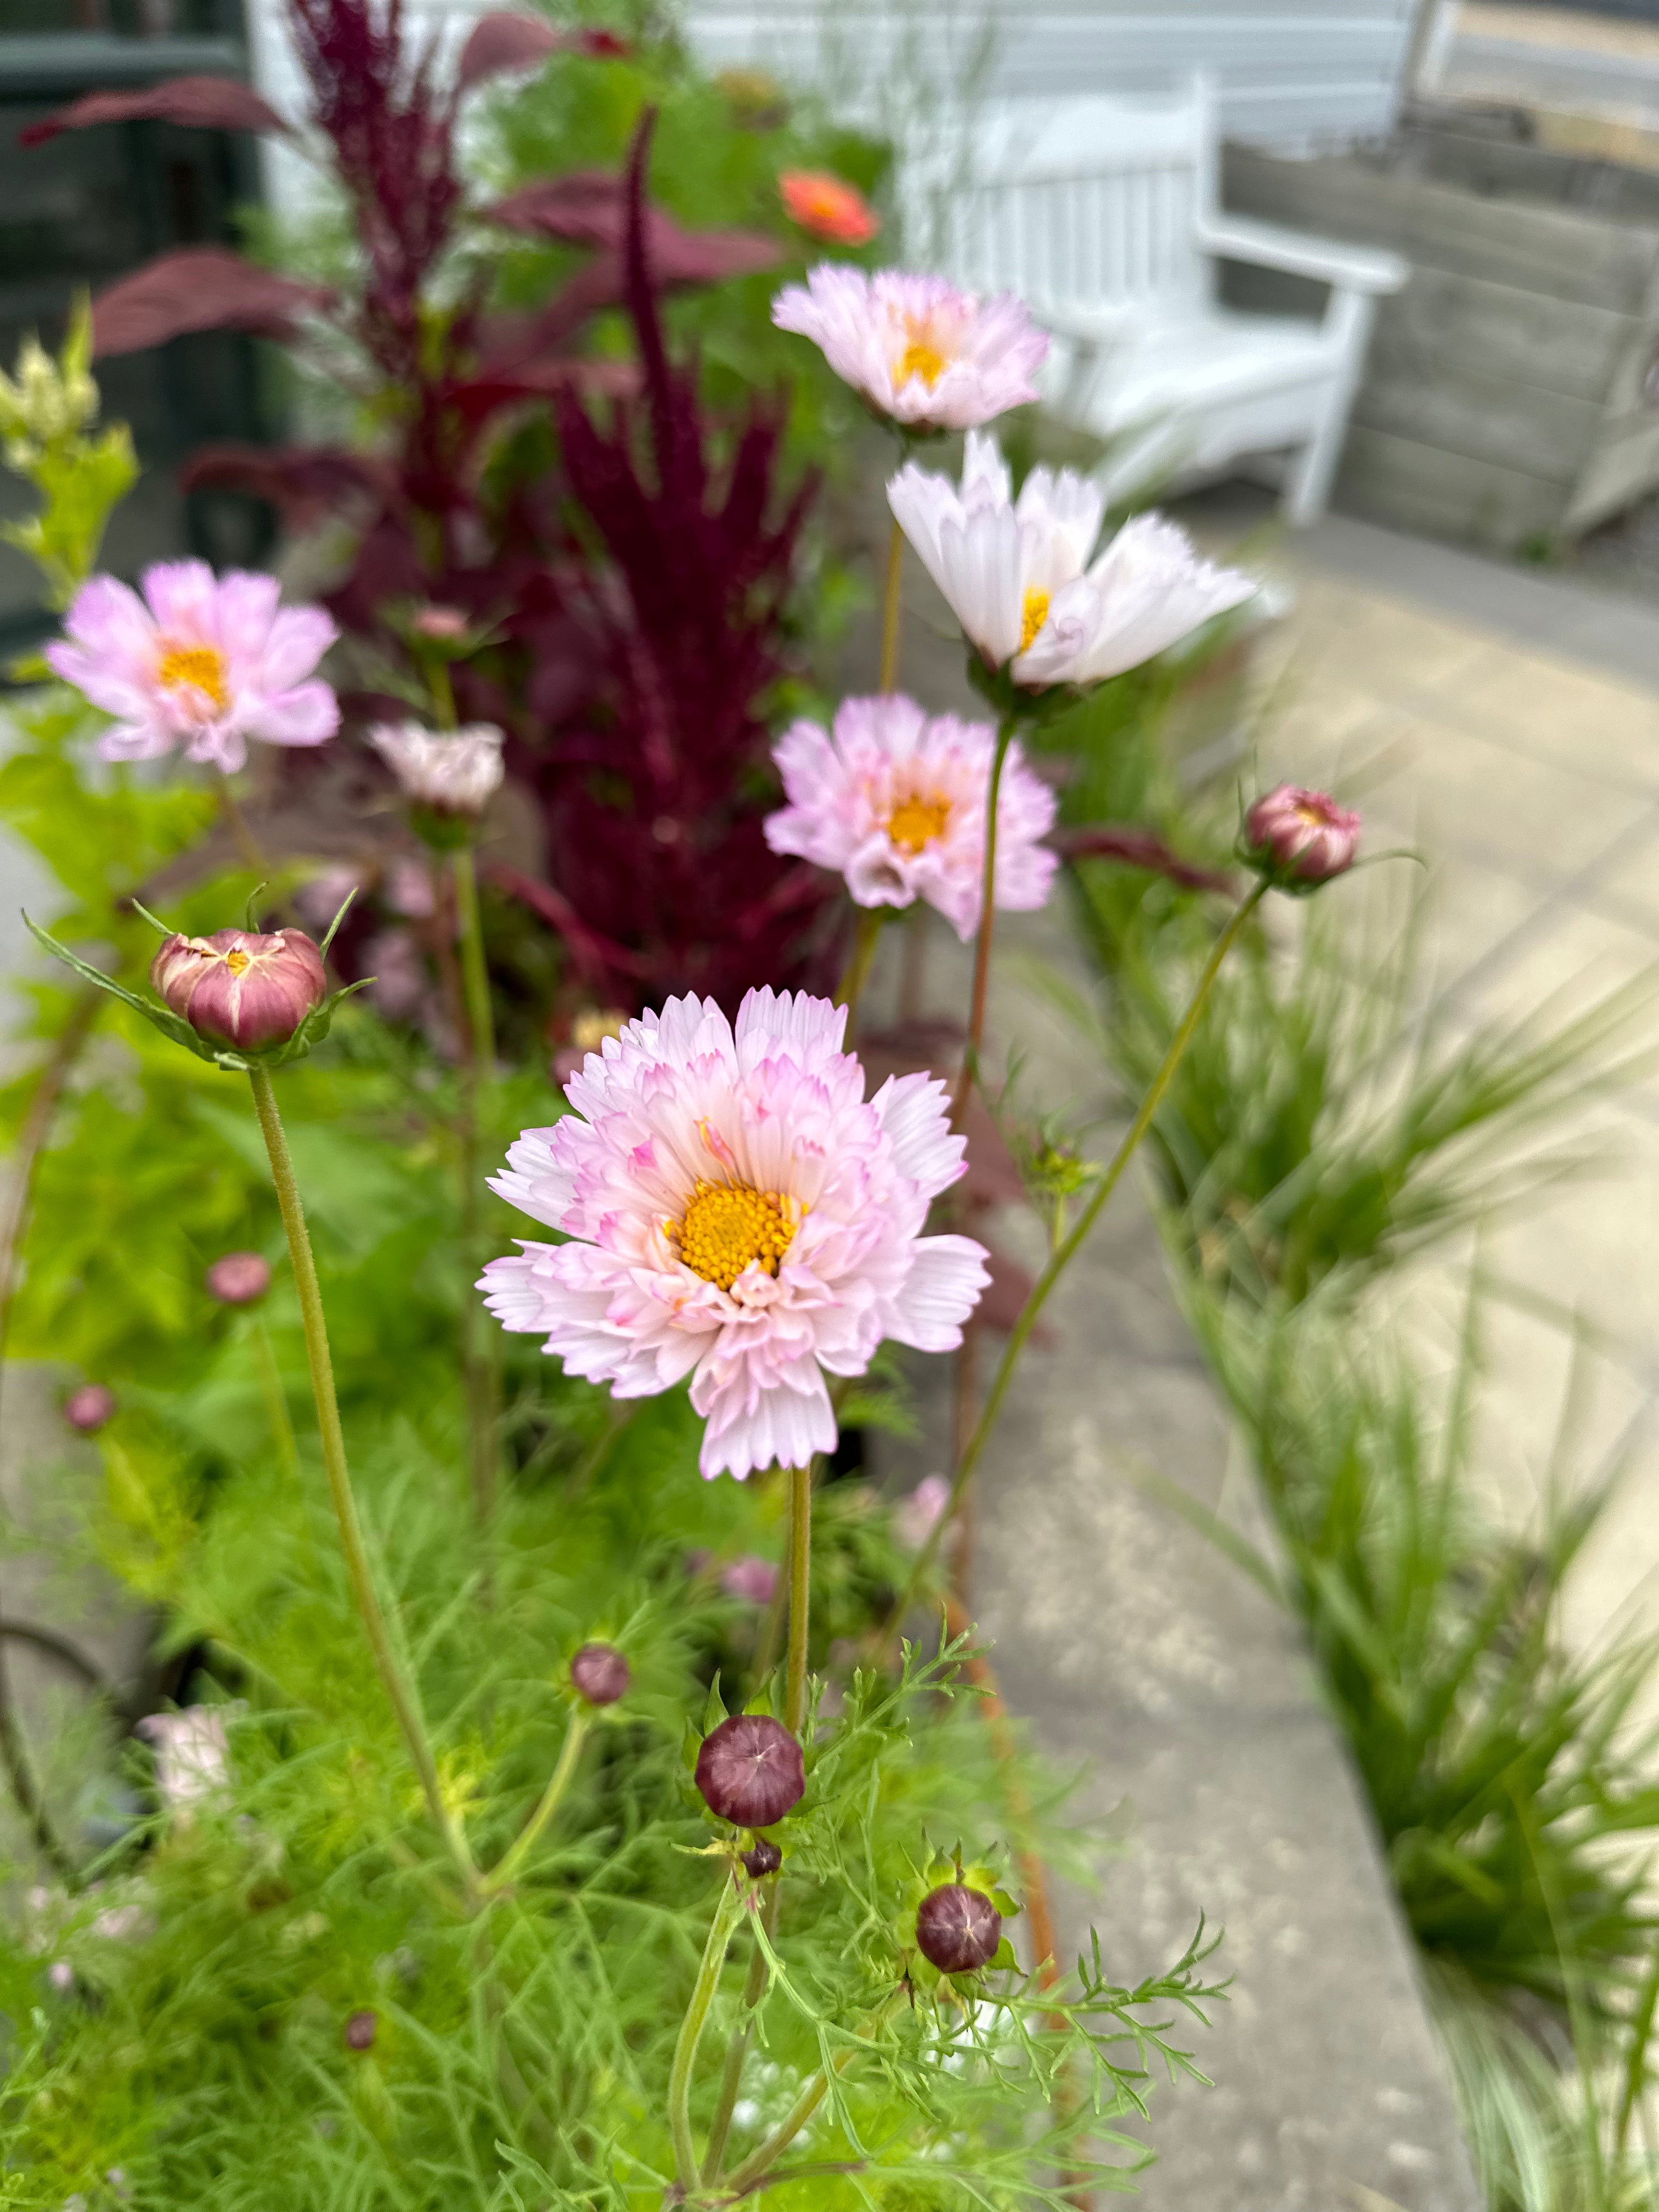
column 1308, row 485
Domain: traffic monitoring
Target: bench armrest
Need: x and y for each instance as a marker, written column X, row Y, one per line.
column 1350, row 268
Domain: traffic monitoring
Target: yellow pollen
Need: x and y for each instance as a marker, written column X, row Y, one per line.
column 923, row 356
column 238, row 962
column 1314, row 817
column 916, row 822
column 727, row 1225
column 201, row 666
column 1032, row 616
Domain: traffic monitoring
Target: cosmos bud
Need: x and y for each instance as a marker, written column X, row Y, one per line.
column 241, row 986
column 87, row 1408
column 750, row 1771
column 239, row 1278
column 1299, row 838
column 359, row 2031
column 600, row 1673
column 764, row 1859
column 957, row 1929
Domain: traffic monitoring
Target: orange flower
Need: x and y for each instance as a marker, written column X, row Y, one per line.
column 828, row 206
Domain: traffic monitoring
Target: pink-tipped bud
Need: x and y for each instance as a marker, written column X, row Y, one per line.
column 440, row 622
column 241, row 986
column 1297, row 836
column 763, row 1858
column 87, row 1408
column 600, row 1673
column 751, row 1770
column 957, row 1929
column 359, row 2031
column 239, row 1278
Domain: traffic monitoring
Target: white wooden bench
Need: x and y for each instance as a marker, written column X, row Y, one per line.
column 1104, row 216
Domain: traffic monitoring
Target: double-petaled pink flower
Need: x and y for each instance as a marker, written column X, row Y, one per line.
column 895, row 802
column 918, row 349
column 199, row 662
column 1300, row 838
column 739, row 1212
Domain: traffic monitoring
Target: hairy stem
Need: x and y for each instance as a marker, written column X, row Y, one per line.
column 890, row 608
column 968, row 1073
column 479, row 1367
column 1064, row 1252
column 726, row 1913
column 570, row 1752
column 800, row 1596
column 402, row 1698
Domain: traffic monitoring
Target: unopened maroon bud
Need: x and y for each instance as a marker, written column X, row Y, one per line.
column 239, row 1278
column 440, row 622
column 241, row 986
column 601, row 1674
column 751, row 1770
column 87, row 1408
column 1301, row 836
column 957, row 1929
column 360, row 2031
column 764, row 1858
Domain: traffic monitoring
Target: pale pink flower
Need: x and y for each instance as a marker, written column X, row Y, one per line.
column 193, row 1753
column 918, row 349
column 740, row 1213
column 409, row 890
column 753, row 1579
column 320, row 898
column 198, row 661
column 915, row 1518
column 1302, row 837
column 896, row 803
column 451, row 771
column 1018, row 578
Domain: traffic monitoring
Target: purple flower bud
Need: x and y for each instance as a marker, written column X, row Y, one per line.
column 360, row 2031
column 240, row 987
column 751, row 1770
column 957, row 1929
column 754, row 1579
column 601, row 1674
column 764, row 1858
column 1301, row 838
column 239, row 1278
column 87, row 1408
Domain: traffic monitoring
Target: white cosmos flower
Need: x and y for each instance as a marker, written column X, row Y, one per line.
column 1018, row 579
column 451, row 771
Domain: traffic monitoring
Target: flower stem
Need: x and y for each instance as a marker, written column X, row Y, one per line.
column 1061, row 1257
column 738, row 2049
column 402, row 1698
column 721, row 1928
column 270, row 1382
column 968, row 1073
column 857, row 974
column 477, row 1347
column 570, row 1752
column 800, row 1593
column 247, row 844
column 475, row 974
column 760, row 2162
column 890, row 609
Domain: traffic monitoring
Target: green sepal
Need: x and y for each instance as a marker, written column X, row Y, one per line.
column 1014, row 703
column 713, row 1706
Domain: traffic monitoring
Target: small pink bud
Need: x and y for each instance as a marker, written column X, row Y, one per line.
column 87, row 1408
column 440, row 622
column 751, row 1578
column 957, row 1929
column 751, row 1770
column 241, row 986
column 360, row 2031
column 1301, row 838
column 763, row 1859
column 239, row 1278
column 601, row 1674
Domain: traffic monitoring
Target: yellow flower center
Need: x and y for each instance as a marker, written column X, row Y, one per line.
column 239, row 961
column 923, row 355
column 1032, row 616
column 1314, row 817
column 916, row 822
column 727, row 1225
column 201, row 666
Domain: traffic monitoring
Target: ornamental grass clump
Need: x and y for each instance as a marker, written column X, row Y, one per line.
column 505, row 1828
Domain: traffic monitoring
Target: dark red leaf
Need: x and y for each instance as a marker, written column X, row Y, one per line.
column 588, row 207
column 1137, row 848
column 304, row 482
column 200, row 287
column 590, row 948
column 505, row 41
column 208, row 103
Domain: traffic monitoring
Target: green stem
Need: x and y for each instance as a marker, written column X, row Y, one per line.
column 478, row 1360
column 570, row 1752
column 890, row 608
column 474, row 973
column 1060, row 1258
column 759, row 2163
column 969, row 1074
column 800, row 1596
column 276, row 1397
column 402, row 1698
column 738, row 2049
column 1635, row 2064
column 857, row 973
column 726, row 1914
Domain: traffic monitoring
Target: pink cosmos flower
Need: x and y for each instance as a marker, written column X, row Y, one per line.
column 896, row 803
column 451, row 771
column 193, row 1753
column 751, row 1578
column 200, row 662
column 738, row 1213
column 931, row 357
column 915, row 1516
